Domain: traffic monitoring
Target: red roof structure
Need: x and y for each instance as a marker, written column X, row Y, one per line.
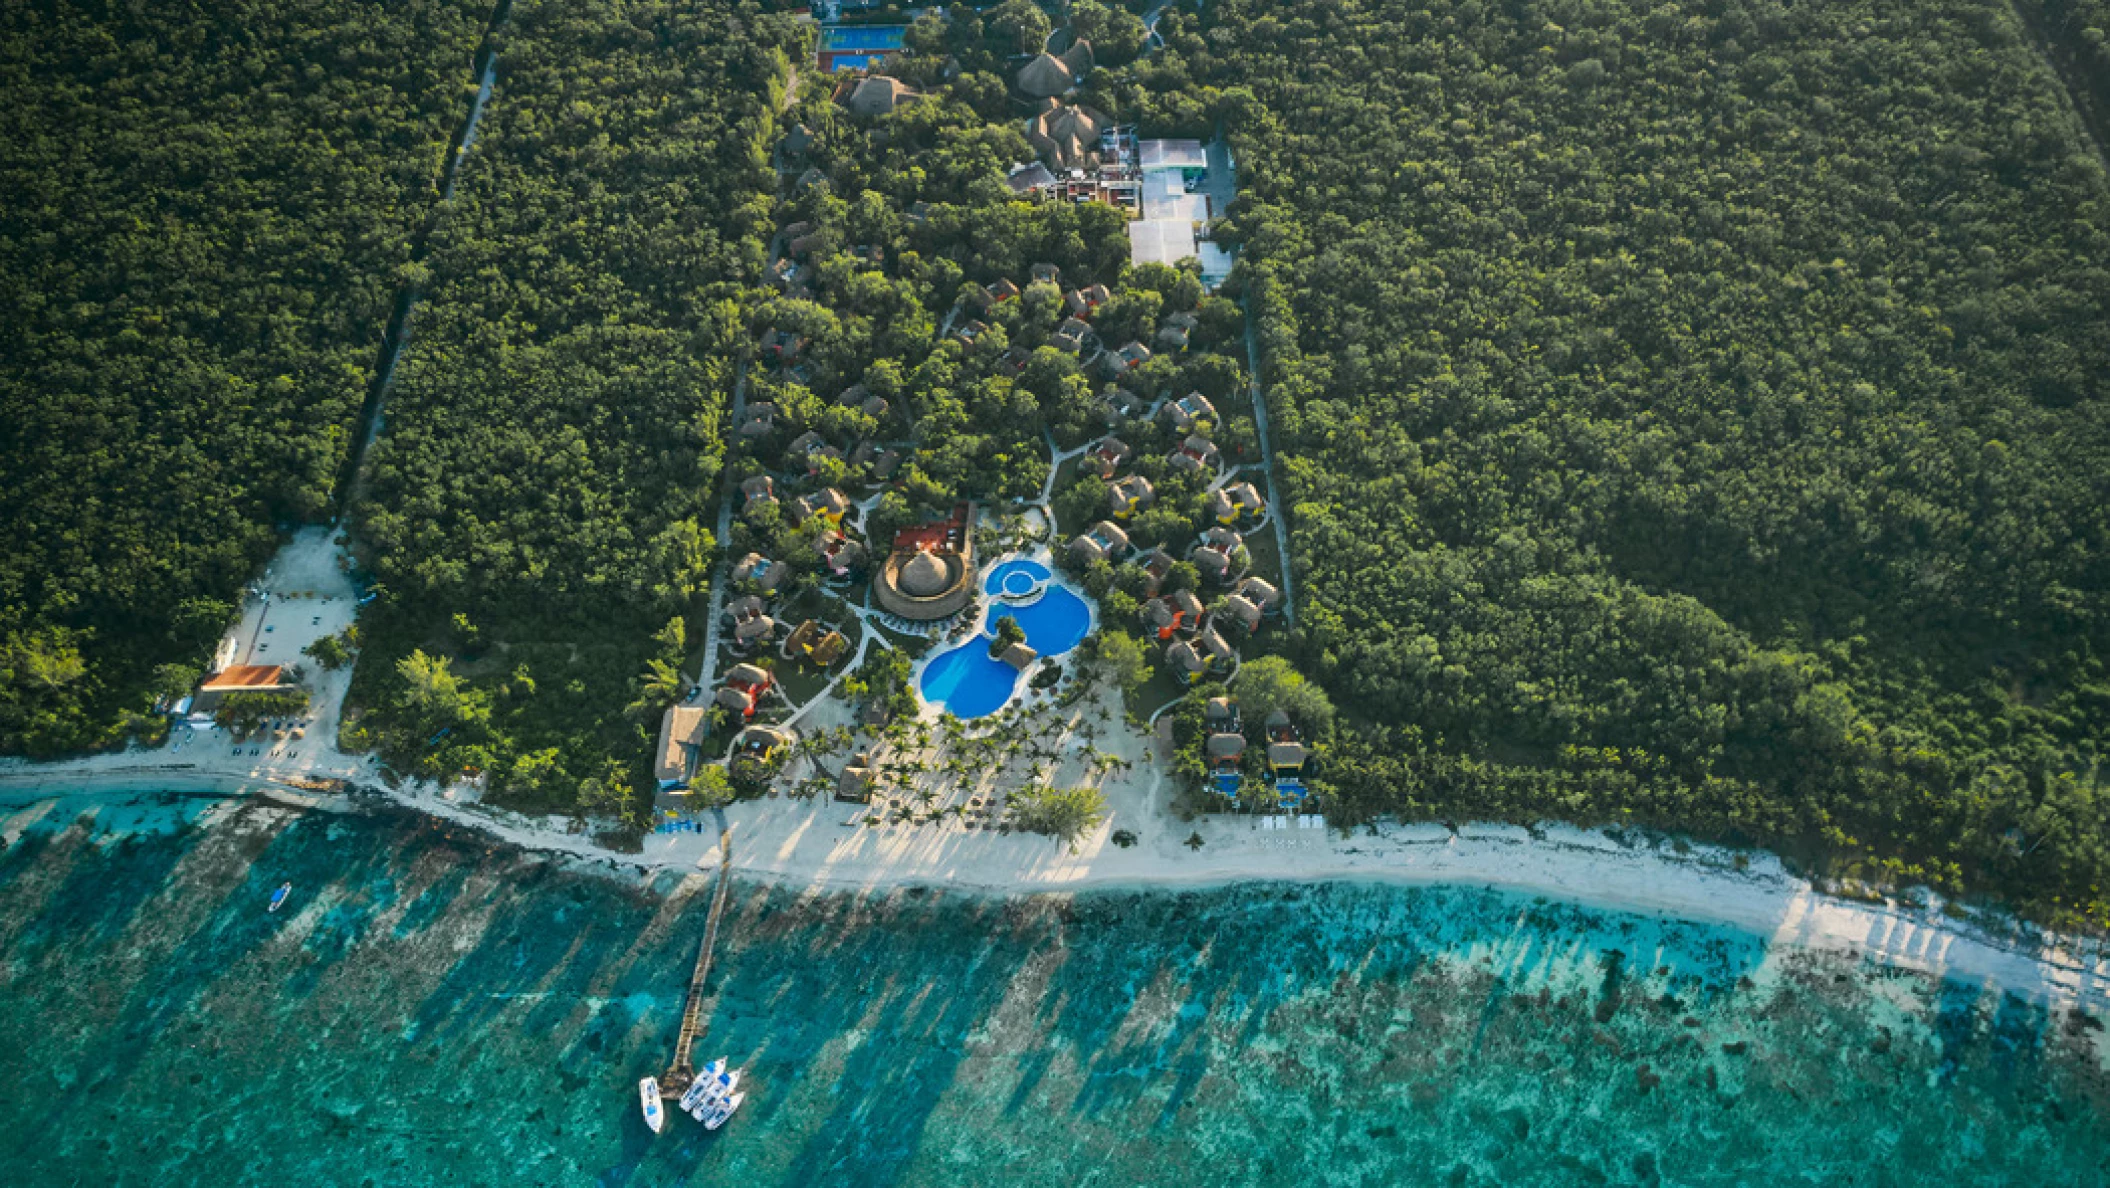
column 246, row 676
column 944, row 536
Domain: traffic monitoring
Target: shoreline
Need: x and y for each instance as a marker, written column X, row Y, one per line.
column 1590, row 869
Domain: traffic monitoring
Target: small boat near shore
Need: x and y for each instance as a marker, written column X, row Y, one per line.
column 278, row 897
column 717, row 1115
column 648, row 1097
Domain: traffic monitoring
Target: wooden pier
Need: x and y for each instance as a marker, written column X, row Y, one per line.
column 681, row 1073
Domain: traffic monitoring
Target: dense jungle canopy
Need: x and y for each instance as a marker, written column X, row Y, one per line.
column 209, row 206
column 1694, row 414
column 1690, row 414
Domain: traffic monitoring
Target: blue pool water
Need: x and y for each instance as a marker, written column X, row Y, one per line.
column 970, row 684
column 1015, row 577
column 863, row 37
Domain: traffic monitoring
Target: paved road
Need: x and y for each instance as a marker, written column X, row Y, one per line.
column 1276, row 511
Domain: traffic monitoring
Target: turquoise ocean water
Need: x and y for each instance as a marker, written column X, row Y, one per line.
column 435, row 1009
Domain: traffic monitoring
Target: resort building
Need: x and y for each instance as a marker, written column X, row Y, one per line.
column 767, row 575
column 1156, row 566
column 1161, row 241
column 1118, row 363
column 1286, row 754
column 1069, row 337
column 1188, row 607
column 1107, row 457
column 1019, row 656
column 1260, row 593
column 1122, row 405
column 816, row 644
column 1067, row 137
column 1129, row 496
column 1186, row 661
column 790, row 274
column 1081, row 303
column 1184, row 157
column 1195, row 454
column 240, row 678
column 1221, row 714
column 1217, row 556
column 1175, row 612
column 1240, row 608
column 1003, row 290
column 782, row 346
column 1228, row 505
column 1045, row 274
column 744, row 688
column 760, row 745
column 1032, row 180
column 1178, row 328
column 839, row 553
column 855, row 783
column 754, row 629
column 681, row 731
column 1215, row 650
column 829, row 505
column 1104, row 542
column 1078, row 58
column 930, row 572
column 760, row 493
column 1045, row 77
column 874, row 96
column 750, row 621
column 759, row 420
column 1224, row 751
column 1189, row 411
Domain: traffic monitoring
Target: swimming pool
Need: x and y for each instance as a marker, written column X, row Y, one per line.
column 970, row 684
column 850, row 38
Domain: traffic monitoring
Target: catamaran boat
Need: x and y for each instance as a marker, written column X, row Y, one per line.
column 279, row 896
column 715, row 1093
column 648, row 1096
column 702, row 1086
column 716, row 1116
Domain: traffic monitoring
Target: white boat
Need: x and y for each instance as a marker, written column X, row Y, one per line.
column 648, row 1097
column 722, row 1111
column 716, row 1090
column 278, row 897
column 700, row 1088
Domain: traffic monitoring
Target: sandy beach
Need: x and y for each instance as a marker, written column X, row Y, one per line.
column 825, row 846
column 822, row 844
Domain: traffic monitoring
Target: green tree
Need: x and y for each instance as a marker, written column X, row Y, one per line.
column 1269, row 683
column 430, row 685
column 1124, row 658
column 1008, row 632
column 1065, row 815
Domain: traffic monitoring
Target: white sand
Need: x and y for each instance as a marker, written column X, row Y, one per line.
column 822, row 844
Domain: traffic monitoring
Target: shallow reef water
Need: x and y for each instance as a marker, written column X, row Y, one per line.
column 435, row 1008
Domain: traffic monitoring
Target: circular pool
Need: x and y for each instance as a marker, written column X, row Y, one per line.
column 966, row 681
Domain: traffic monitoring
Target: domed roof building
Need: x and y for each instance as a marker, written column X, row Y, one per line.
column 930, row 573
column 925, row 576
column 1045, row 76
column 1067, row 137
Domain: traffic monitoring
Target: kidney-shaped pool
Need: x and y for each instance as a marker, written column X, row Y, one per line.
column 970, row 684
